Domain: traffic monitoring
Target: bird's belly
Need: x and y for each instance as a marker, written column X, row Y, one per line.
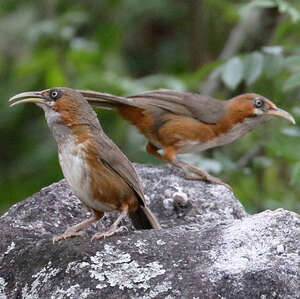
column 194, row 146
column 77, row 173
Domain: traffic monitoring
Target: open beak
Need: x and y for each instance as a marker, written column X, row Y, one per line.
column 27, row 97
column 282, row 113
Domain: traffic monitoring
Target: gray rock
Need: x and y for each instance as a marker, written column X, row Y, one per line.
column 208, row 247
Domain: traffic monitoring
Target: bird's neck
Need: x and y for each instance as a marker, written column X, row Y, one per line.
column 63, row 132
column 236, row 124
column 76, row 135
column 238, row 129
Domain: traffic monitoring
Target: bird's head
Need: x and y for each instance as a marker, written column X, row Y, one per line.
column 256, row 107
column 60, row 104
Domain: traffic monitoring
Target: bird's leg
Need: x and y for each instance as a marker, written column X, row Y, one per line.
column 168, row 156
column 191, row 172
column 153, row 150
column 114, row 227
column 196, row 173
column 73, row 231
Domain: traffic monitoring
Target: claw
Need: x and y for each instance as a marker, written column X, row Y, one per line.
column 67, row 234
column 108, row 233
column 208, row 178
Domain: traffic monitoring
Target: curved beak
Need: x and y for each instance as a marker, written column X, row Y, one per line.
column 27, row 97
column 282, row 113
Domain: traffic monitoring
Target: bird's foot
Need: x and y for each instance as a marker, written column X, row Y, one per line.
column 69, row 233
column 207, row 177
column 109, row 232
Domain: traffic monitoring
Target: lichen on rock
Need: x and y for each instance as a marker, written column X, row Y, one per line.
column 209, row 247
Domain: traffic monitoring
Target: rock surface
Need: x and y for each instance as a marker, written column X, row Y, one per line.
column 208, row 247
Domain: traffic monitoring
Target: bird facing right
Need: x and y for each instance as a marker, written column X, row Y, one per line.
column 181, row 122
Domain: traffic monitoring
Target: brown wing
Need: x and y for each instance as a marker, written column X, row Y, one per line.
column 203, row 108
column 114, row 158
column 104, row 100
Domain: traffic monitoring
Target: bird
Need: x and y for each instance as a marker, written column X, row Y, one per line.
column 175, row 122
column 97, row 171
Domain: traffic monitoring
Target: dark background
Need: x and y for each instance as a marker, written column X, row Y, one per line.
column 216, row 47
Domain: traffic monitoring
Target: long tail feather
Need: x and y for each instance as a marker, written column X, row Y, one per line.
column 143, row 218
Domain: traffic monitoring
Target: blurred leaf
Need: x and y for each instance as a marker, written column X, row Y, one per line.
column 285, row 7
column 273, row 50
column 75, row 18
column 162, row 81
column 210, row 165
column 291, row 131
column 42, row 29
column 12, row 28
column 296, row 111
column 292, row 62
column 292, row 82
column 233, row 72
column 262, row 161
column 81, row 44
column 253, row 66
column 193, row 79
column 227, row 163
column 273, row 64
column 216, row 73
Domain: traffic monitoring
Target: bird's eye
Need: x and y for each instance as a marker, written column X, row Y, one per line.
column 54, row 94
column 259, row 103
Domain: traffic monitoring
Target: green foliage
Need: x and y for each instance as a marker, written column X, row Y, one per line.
column 248, row 68
column 124, row 47
column 232, row 72
column 283, row 6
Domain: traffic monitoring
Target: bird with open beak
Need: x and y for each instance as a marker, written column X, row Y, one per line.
column 177, row 122
column 99, row 174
